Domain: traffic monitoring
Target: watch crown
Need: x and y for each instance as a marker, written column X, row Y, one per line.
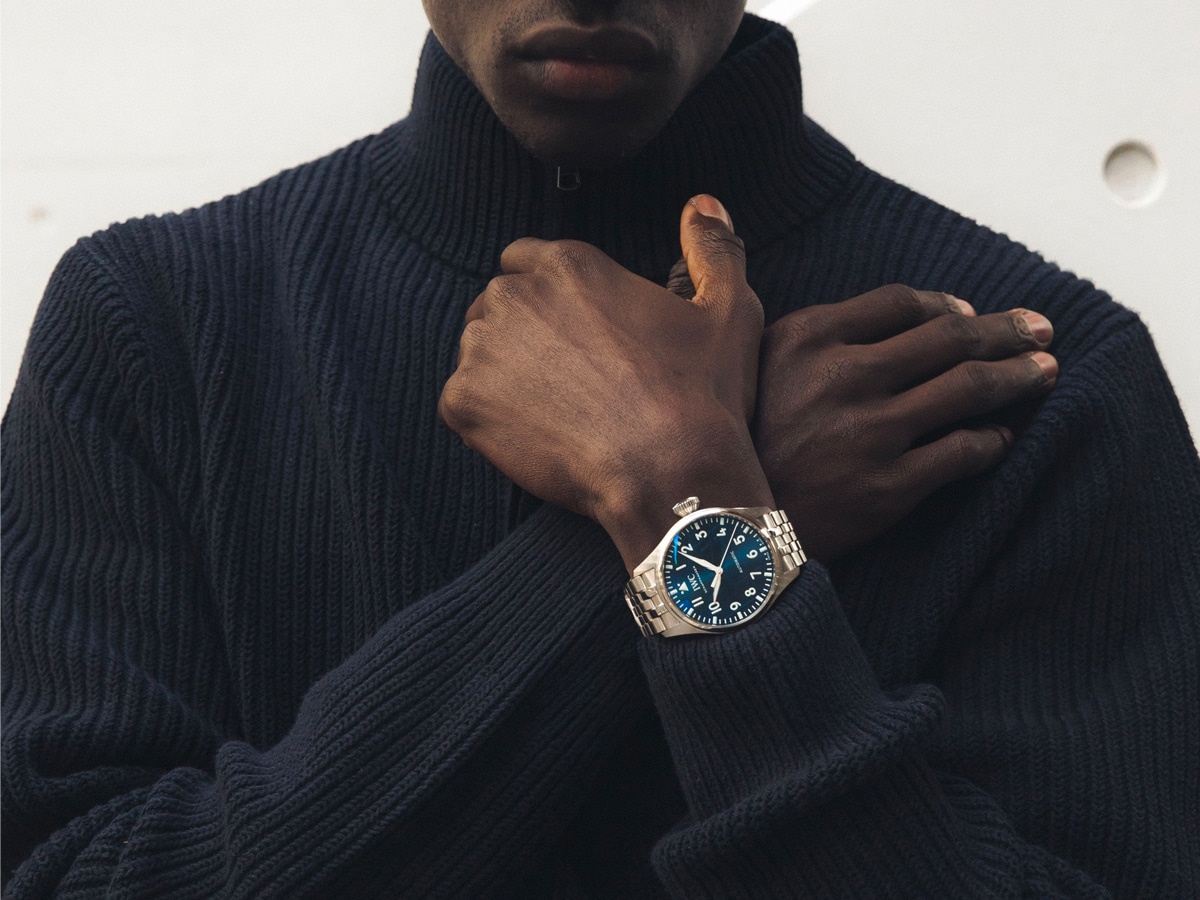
column 686, row 507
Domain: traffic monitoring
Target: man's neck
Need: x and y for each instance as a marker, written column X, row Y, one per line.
column 465, row 188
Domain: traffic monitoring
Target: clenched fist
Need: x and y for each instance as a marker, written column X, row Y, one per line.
column 604, row 393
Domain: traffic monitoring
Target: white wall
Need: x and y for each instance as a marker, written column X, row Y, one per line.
column 1008, row 110
column 1005, row 111
column 116, row 108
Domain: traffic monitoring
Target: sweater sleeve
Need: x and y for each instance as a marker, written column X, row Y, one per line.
column 438, row 757
column 1047, row 745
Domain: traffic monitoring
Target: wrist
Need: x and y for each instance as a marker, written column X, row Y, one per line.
column 637, row 513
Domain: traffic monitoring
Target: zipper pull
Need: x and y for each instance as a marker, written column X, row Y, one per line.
column 567, row 179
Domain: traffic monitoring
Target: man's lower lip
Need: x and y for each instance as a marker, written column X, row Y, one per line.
column 584, row 79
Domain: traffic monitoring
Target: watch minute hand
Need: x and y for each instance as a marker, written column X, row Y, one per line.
column 727, row 546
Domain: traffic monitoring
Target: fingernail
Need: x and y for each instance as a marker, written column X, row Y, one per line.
column 712, row 207
column 1047, row 363
column 964, row 307
column 1042, row 330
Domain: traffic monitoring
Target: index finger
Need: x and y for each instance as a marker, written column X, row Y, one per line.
column 888, row 311
column 522, row 255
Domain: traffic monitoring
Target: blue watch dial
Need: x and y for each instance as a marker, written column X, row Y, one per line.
column 718, row 570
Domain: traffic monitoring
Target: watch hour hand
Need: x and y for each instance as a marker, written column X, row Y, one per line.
column 701, row 562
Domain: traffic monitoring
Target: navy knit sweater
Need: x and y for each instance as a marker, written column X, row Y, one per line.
column 271, row 630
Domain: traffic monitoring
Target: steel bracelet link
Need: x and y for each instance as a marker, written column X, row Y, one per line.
column 642, row 595
column 782, row 537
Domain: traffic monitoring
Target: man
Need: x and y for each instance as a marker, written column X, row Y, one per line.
column 273, row 629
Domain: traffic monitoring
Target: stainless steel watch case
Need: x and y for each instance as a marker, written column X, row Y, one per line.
column 652, row 607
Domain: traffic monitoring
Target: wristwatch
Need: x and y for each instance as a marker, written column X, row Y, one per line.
column 716, row 569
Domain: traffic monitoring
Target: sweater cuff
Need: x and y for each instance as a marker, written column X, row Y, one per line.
column 790, row 696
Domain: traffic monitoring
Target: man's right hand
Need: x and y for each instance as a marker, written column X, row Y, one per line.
column 601, row 392
column 850, row 393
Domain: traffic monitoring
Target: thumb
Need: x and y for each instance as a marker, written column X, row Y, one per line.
column 715, row 257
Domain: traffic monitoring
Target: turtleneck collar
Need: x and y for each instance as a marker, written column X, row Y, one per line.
column 464, row 188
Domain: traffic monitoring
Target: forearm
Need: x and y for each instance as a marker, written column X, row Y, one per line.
column 1054, row 607
column 799, row 769
column 453, row 702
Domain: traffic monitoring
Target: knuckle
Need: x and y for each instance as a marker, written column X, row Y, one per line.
column 905, row 301
column 523, row 245
column 473, row 339
column 571, row 257
column 721, row 243
column 969, row 450
column 457, row 402
column 941, row 302
column 505, row 293
column 984, row 380
column 964, row 333
column 796, row 329
column 497, row 287
column 854, row 426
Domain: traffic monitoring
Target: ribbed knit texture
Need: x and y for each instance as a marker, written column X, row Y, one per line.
column 271, row 630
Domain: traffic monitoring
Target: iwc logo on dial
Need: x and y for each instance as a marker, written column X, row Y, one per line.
column 718, row 570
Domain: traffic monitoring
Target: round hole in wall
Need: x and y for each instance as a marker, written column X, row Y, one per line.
column 1133, row 174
